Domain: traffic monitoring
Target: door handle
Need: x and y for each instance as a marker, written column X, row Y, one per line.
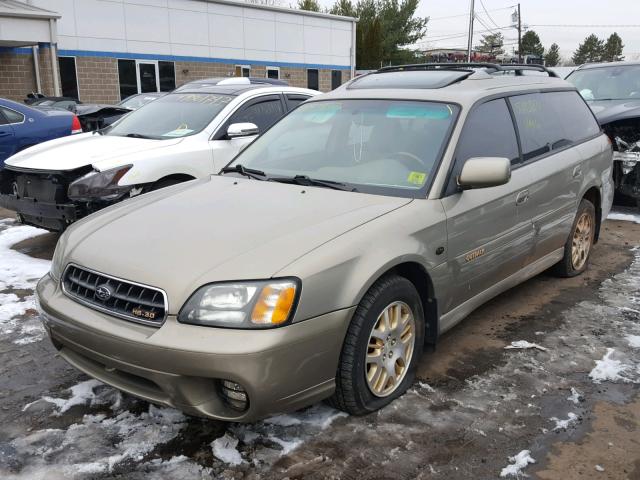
column 522, row 197
column 577, row 172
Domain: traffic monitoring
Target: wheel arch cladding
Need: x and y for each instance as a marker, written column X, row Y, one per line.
column 593, row 195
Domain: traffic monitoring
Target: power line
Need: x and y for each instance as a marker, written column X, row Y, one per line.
column 466, row 14
column 583, row 26
column 487, row 13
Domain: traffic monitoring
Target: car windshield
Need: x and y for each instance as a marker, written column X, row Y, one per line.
column 608, row 83
column 375, row 146
column 174, row 115
column 136, row 101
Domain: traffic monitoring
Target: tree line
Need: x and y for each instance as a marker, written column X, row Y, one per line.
column 387, row 27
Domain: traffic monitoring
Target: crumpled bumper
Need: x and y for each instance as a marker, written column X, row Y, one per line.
column 53, row 216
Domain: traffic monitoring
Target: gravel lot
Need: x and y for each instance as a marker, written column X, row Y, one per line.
column 564, row 403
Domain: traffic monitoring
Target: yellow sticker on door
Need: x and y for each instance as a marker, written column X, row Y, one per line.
column 417, row 178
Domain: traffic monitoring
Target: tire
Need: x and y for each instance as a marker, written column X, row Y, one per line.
column 354, row 394
column 568, row 266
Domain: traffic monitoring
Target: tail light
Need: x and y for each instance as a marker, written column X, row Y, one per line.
column 75, row 125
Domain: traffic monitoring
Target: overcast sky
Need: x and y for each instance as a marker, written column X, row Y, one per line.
column 441, row 32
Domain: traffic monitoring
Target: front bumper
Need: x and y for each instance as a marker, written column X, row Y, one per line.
column 181, row 366
column 53, row 216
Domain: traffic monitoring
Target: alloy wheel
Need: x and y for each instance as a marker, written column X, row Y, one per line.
column 582, row 240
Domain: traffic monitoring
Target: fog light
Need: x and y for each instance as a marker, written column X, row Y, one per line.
column 234, row 395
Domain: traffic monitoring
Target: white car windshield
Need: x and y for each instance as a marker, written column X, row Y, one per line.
column 608, row 83
column 376, row 146
column 172, row 116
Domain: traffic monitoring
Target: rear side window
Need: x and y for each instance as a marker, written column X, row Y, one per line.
column 488, row 132
column 294, row 100
column 575, row 115
column 12, row 116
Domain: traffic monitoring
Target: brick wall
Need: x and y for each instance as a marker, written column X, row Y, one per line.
column 17, row 76
column 98, row 80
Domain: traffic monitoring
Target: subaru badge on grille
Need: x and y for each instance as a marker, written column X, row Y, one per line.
column 103, row 292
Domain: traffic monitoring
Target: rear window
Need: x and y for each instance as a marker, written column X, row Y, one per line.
column 551, row 121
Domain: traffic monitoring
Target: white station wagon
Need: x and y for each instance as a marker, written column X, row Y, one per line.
column 189, row 133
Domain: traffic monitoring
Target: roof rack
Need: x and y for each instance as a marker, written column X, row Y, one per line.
column 470, row 66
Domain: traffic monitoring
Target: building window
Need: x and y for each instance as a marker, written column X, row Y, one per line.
column 68, row 77
column 243, row 70
column 128, row 78
column 313, row 81
column 167, row 76
column 273, row 72
column 336, row 79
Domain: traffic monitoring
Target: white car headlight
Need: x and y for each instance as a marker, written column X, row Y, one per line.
column 258, row 304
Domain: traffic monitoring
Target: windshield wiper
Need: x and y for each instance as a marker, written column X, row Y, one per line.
column 247, row 172
column 308, row 181
column 138, row 135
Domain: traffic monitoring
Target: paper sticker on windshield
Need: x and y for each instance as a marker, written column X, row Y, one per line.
column 427, row 111
column 181, row 131
column 417, row 178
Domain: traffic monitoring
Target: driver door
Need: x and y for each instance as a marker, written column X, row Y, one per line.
column 262, row 111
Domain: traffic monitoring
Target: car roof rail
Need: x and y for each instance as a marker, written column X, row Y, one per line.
column 468, row 66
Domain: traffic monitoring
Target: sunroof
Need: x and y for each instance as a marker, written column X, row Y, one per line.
column 410, row 79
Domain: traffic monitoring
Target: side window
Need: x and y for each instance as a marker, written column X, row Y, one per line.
column 263, row 112
column 294, row 100
column 576, row 117
column 539, row 125
column 12, row 116
column 488, row 132
column 3, row 121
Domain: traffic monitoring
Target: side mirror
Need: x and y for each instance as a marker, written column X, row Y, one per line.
column 237, row 130
column 484, row 172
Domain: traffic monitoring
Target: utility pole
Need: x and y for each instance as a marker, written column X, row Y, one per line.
column 519, row 36
column 471, row 18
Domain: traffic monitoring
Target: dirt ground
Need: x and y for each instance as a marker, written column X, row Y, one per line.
column 475, row 404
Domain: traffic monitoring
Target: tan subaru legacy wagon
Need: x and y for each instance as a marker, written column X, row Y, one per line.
column 320, row 261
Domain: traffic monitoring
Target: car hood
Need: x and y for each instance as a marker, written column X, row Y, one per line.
column 75, row 151
column 608, row 111
column 216, row 229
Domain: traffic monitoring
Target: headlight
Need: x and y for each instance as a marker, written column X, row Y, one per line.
column 260, row 304
column 99, row 185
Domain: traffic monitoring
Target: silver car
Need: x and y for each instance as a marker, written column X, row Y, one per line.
column 320, row 261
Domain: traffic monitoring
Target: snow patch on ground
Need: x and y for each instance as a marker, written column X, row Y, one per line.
column 608, row 369
column 80, row 395
column 19, row 271
column 624, row 217
column 518, row 463
column 576, row 396
column 225, row 449
column 524, row 345
column 564, row 424
column 634, row 341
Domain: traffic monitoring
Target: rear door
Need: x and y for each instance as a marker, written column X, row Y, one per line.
column 487, row 240
column 550, row 126
column 262, row 111
column 7, row 138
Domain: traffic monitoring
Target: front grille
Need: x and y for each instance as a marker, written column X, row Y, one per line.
column 121, row 298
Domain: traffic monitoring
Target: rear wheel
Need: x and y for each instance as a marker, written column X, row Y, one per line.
column 580, row 242
column 382, row 347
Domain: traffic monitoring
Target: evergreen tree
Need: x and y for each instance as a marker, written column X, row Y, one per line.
column 311, row 5
column 531, row 44
column 552, row 58
column 491, row 44
column 344, row 8
column 589, row 51
column 613, row 49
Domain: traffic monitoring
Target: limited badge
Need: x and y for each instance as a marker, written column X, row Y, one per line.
column 417, row 178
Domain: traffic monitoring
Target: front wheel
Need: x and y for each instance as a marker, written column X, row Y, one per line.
column 382, row 347
column 580, row 242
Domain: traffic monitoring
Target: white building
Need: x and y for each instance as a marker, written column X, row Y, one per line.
column 109, row 49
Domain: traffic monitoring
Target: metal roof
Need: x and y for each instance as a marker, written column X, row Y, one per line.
column 13, row 8
column 293, row 11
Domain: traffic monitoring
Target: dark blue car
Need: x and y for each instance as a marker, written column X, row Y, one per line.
column 22, row 126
